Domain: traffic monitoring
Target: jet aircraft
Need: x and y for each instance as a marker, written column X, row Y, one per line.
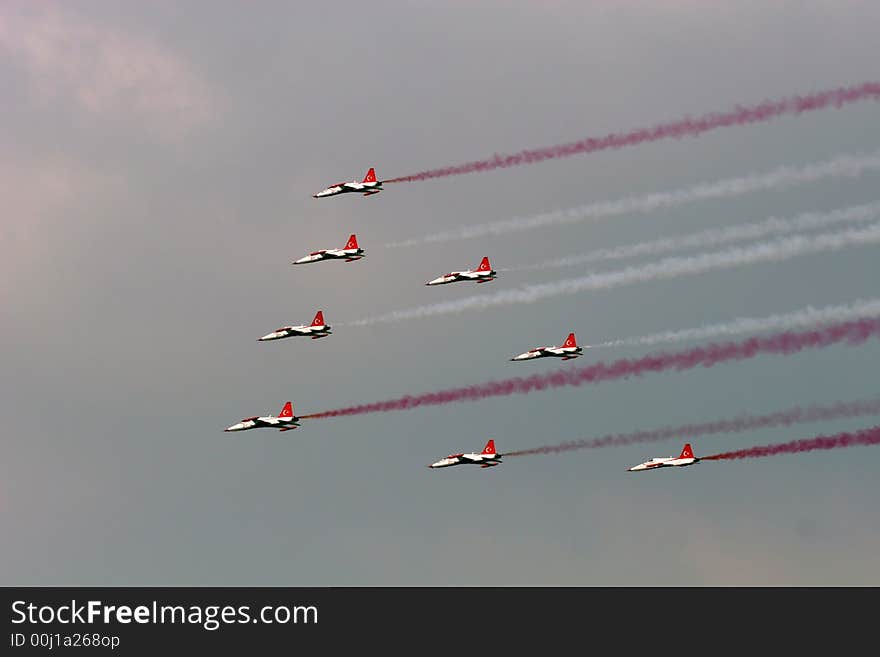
column 567, row 351
column 317, row 329
column 283, row 422
column 350, row 252
column 685, row 458
column 482, row 274
column 368, row 186
column 485, row 459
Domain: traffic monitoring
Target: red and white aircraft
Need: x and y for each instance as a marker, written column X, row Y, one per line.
column 685, row 458
column 317, row 329
column 284, row 422
column 350, row 252
column 567, row 351
column 368, row 186
column 482, row 274
column 485, row 459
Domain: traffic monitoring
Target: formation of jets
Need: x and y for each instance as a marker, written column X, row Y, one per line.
column 285, row 421
column 368, row 186
column 317, row 329
column 685, row 458
column 567, row 351
column 350, row 252
column 482, row 274
column 486, row 459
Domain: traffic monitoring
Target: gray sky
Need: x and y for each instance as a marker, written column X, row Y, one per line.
column 157, row 167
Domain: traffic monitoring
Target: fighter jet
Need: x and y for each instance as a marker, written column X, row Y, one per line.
column 685, row 458
column 284, row 422
column 482, row 274
column 317, row 329
column 350, row 252
column 368, row 186
column 567, row 351
column 485, row 459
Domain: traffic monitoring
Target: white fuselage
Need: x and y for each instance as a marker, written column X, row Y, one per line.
column 473, row 275
column 331, row 254
column 461, row 459
column 264, row 422
column 544, row 352
column 352, row 186
column 319, row 331
column 661, row 462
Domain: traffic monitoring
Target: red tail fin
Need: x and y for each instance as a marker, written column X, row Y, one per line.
column 687, row 452
column 352, row 242
column 371, row 175
column 319, row 319
column 484, row 265
column 489, row 448
column 287, row 411
column 570, row 341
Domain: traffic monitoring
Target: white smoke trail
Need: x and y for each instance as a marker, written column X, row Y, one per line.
column 777, row 250
column 808, row 316
column 849, row 166
column 716, row 236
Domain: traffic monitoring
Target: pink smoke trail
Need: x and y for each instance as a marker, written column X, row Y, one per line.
column 785, row 343
column 741, row 115
column 795, row 415
column 864, row 437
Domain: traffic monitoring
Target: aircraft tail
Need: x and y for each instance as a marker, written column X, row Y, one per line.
column 371, row 175
column 489, row 448
column 352, row 242
column 287, row 411
column 319, row 319
column 687, row 452
column 484, row 265
column 570, row 341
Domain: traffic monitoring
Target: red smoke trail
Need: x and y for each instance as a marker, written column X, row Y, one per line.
column 869, row 436
column 788, row 342
column 742, row 115
column 798, row 414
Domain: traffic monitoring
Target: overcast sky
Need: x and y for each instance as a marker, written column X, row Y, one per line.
column 157, row 168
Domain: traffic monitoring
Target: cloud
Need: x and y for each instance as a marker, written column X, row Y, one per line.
column 103, row 70
column 46, row 202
